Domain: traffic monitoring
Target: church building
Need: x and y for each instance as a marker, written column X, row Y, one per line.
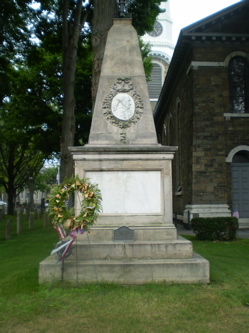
column 203, row 109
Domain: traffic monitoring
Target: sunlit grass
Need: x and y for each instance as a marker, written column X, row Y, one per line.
column 221, row 306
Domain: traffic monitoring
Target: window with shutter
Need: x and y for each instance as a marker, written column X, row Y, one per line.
column 155, row 83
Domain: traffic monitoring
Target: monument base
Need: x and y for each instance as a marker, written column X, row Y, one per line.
column 128, row 263
column 134, row 240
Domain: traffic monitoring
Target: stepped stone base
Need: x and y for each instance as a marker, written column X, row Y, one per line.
column 243, row 223
column 194, row 270
column 128, row 263
column 208, row 210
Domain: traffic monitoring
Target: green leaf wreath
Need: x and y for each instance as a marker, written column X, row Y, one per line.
column 90, row 204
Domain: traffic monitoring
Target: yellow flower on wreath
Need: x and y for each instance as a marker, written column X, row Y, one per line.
column 90, row 207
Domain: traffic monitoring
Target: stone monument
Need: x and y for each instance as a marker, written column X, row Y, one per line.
column 134, row 240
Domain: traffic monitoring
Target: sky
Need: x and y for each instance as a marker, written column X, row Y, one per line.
column 186, row 12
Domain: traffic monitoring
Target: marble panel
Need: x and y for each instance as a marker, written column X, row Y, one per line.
column 129, row 192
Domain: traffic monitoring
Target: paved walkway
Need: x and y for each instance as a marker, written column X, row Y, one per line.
column 241, row 233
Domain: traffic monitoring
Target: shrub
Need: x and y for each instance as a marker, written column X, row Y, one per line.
column 215, row 228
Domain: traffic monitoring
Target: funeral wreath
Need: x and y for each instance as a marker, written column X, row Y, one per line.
column 90, row 206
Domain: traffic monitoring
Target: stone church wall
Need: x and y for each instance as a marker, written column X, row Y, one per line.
column 203, row 135
column 179, row 132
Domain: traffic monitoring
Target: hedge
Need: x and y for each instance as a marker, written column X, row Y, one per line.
column 215, row 228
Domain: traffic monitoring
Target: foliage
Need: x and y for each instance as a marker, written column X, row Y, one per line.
column 215, row 228
column 19, row 164
column 46, row 178
column 147, row 59
column 90, row 204
column 29, row 119
column 144, row 14
column 15, row 17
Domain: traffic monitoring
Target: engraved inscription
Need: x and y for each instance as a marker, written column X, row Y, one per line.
column 123, row 137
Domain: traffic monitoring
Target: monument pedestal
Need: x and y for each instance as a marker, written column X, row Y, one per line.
column 134, row 240
column 135, row 183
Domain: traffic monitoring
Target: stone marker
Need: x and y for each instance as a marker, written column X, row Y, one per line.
column 8, row 230
column 19, row 221
column 31, row 220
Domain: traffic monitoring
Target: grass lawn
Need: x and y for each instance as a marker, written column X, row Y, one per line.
column 221, row 306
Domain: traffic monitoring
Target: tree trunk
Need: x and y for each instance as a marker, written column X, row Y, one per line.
column 31, row 204
column 103, row 14
column 9, row 186
column 68, row 122
column 11, row 192
column 71, row 33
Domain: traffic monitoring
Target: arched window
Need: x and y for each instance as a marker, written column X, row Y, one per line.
column 238, row 70
column 240, row 183
column 179, row 143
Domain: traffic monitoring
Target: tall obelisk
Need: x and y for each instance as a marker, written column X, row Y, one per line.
column 122, row 113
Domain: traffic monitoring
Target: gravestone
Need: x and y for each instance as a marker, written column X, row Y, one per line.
column 31, row 220
column 19, row 218
column 8, row 230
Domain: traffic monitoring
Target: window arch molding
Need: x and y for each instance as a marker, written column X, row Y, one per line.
column 234, row 151
column 156, row 80
column 156, row 62
column 235, row 54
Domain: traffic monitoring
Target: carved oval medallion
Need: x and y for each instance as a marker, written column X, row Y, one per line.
column 123, row 106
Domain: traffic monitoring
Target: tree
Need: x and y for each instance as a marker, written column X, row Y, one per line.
column 28, row 118
column 14, row 36
column 19, row 165
column 73, row 19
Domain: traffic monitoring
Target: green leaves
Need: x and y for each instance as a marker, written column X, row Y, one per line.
column 215, row 228
column 144, row 13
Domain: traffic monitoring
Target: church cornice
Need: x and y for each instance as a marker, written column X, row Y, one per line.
column 217, row 37
column 163, row 44
column 219, row 18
